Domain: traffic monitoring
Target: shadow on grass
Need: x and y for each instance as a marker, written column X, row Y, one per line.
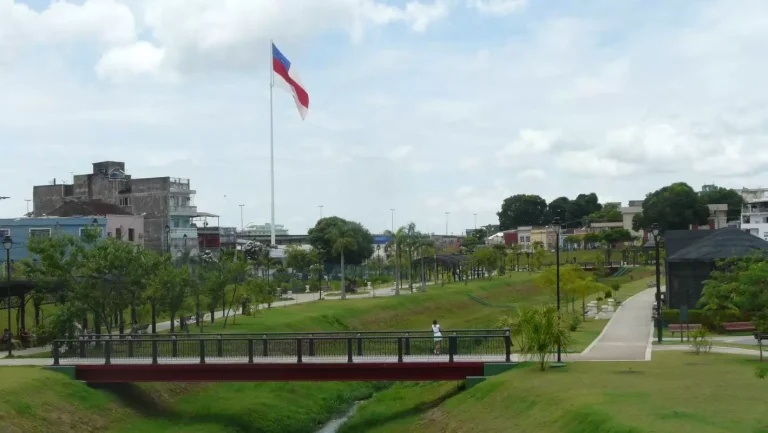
column 145, row 404
column 403, row 414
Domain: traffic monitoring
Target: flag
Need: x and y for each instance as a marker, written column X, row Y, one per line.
column 288, row 79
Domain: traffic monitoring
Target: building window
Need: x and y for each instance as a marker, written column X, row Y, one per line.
column 39, row 233
column 125, row 201
column 176, row 223
column 119, row 233
column 131, row 235
column 4, row 233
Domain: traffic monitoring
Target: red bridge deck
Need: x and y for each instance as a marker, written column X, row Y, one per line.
column 309, row 372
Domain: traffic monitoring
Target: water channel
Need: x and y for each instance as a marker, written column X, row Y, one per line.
column 335, row 424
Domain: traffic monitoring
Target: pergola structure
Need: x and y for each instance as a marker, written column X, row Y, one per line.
column 20, row 290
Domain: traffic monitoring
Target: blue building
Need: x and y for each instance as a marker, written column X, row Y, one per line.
column 22, row 229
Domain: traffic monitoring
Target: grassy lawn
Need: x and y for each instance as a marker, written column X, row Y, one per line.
column 676, row 393
column 36, row 400
column 581, row 256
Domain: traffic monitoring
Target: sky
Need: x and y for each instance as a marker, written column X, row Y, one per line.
column 424, row 106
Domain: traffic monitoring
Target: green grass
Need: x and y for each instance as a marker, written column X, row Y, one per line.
column 580, row 255
column 36, row 400
column 676, row 392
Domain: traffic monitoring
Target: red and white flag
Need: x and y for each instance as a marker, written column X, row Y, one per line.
column 285, row 76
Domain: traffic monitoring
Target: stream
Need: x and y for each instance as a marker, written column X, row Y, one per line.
column 335, row 424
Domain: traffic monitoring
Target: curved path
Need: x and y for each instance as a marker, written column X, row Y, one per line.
column 627, row 336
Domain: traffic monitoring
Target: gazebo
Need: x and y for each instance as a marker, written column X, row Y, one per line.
column 689, row 267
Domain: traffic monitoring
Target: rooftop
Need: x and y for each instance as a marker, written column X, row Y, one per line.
column 720, row 244
column 87, row 208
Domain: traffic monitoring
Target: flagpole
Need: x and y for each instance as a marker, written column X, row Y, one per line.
column 272, row 138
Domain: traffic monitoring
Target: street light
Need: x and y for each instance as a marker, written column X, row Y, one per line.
column 8, row 244
column 556, row 226
column 656, row 232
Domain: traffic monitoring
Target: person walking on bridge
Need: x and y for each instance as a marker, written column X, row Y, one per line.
column 437, row 336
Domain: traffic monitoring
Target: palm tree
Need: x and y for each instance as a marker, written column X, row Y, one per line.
column 343, row 241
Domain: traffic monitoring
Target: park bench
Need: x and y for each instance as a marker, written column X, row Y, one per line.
column 681, row 327
column 738, row 326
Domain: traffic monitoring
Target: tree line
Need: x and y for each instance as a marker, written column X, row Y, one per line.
column 673, row 207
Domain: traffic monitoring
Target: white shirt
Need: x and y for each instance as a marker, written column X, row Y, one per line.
column 436, row 330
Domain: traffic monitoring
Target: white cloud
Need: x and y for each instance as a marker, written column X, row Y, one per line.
column 126, row 62
column 470, row 163
column 498, row 7
column 532, row 173
column 528, row 142
column 573, row 100
column 197, row 35
column 401, row 152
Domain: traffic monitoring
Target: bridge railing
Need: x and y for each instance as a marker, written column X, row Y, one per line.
column 347, row 334
column 309, row 348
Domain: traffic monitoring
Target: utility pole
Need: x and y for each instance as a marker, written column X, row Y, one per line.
column 475, row 221
column 446, row 223
column 241, row 217
column 321, row 211
column 27, row 200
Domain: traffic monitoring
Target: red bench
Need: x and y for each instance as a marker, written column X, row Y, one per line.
column 677, row 327
column 738, row 326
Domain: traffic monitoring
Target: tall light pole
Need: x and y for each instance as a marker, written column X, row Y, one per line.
column 27, row 200
column 556, row 225
column 475, row 221
column 446, row 223
column 321, row 211
column 656, row 232
column 242, row 227
column 397, row 256
column 8, row 244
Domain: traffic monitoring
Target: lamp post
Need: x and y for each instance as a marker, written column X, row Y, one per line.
column 655, row 231
column 446, row 222
column 8, row 244
column 556, row 226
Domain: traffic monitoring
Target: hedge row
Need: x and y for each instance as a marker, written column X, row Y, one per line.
column 710, row 320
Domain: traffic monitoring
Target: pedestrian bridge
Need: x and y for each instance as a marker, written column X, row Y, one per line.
column 316, row 356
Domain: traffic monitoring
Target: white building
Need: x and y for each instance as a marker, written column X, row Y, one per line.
column 754, row 218
column 264, row 230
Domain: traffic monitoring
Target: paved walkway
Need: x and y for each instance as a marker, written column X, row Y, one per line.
column 626, row 337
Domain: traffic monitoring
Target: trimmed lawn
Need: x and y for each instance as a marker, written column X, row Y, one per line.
column 675, row 393
column 35, row 400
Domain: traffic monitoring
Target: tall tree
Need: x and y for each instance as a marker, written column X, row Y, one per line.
column 322, row 238
column 558, row 208
column 343, row 241
column 611, row 212
column 719, row 195
column 673, row 207
column 582, row 206
column 521, row 210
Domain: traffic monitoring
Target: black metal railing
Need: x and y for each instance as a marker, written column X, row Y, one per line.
column 414, row 333
column 352, row 347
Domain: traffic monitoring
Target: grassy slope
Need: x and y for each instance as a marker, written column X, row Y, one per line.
column 35, row 400
column 676, row 392
column 278, row 407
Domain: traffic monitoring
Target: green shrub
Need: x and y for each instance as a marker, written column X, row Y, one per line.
column 707, row 319
column 608, row 294
column 575, row 322
column 615, row 286
column 701, row 341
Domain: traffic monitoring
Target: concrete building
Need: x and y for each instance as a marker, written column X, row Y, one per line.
column 164, row 201
column 754, row 218
column 22, row 229
column 752, row 194
column 524, row 237
column 633, row 208
column 718, row 218
column 264, row 230
column 120, row 223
